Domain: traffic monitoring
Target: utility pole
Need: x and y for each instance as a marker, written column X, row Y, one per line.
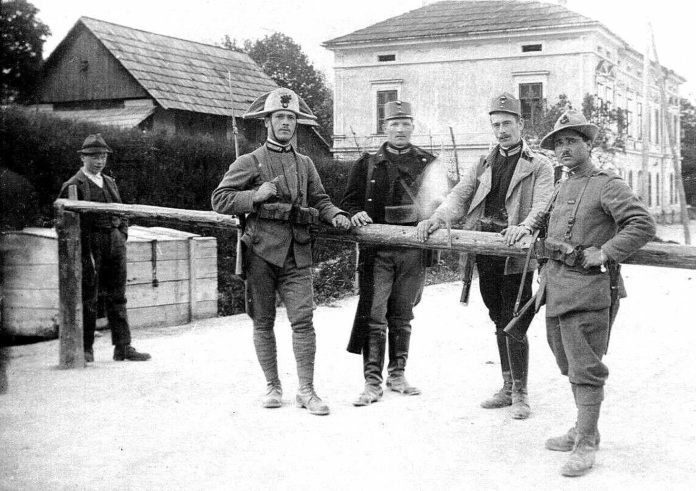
column 672, row 142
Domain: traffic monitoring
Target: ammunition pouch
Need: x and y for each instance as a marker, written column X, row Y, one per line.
column 301, row 215
column 401, row 214
column 558, row 250
column 491, row 224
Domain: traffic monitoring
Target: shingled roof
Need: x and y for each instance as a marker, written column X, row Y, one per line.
column 465, row 18
column 182, row 74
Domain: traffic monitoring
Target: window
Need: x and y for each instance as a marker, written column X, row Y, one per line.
column 527, row 48
column 649, row 189
column 383, row 96
column 630, row 179
column 531, row 97
column 658, row 191
column 639, row 122
column 671, row 189
column 386, row 57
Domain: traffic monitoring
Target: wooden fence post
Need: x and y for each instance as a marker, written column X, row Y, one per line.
column 70, row 290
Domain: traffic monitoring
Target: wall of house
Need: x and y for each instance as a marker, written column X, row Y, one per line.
column 451, row 83
column 85, row 71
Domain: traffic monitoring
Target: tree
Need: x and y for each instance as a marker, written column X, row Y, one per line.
column 23, row 37
column 611, row 122
column 282, row 59
column 688, row 148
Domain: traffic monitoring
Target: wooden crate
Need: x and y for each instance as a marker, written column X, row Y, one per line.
column 30, row 279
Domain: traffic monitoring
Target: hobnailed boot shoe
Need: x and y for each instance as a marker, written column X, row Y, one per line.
column 369, row 395
column 308, row 399
column 399, row 341
column 583, row 457
column 127, row 352
column 520, row 405
column 566, row 442
column 89, row 356
column 503, row 397
column 274, row 396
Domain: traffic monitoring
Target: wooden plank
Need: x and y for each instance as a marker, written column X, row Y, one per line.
column 70, row 290
column 653, row 254
column 170, row 292
column 30, row 276
column 22, row 321
column 141, row 272
column 41, row 299
column 169, row 315
column 19, row 248
column 142, row 251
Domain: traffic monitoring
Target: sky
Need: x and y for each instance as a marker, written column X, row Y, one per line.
column 311, row 22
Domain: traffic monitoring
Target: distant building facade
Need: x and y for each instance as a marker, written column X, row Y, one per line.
column 449, row 58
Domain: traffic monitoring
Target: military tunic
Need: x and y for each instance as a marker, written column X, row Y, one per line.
column 592, row 208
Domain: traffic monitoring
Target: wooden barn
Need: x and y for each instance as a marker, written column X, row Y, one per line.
column 115, row 75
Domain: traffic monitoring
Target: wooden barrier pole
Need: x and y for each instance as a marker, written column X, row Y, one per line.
column 72, row 353
column 652, row 254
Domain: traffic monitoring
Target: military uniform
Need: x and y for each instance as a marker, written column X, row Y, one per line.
column 391, row 279
column 592, row 208
column 512, row 188
column 278, row 244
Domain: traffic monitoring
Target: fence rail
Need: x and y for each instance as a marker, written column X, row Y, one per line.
column 70, row 280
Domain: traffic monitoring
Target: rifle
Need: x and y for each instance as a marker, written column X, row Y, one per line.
column 239, row 263
column 468, row 272
column 510, row 328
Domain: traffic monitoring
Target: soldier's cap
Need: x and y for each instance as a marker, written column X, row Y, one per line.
column 570, row 120
column 94, row 144
column 281, row 99
column 397, row 109
column 506, row 103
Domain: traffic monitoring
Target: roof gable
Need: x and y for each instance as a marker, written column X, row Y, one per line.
column 182, row 74
column 464, row 18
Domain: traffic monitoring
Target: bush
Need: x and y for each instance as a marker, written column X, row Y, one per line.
column 161, row 170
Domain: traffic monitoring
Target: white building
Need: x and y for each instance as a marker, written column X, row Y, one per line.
column 449, row 58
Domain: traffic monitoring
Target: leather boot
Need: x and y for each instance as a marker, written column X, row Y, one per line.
column 399, row 341
column 520, row 405
column 308, row 399
column 566, row 441
column 502, row 398
column 518, row 354
column 127, row 352
column 582, row 458
column 274, row 395
column 373, row 364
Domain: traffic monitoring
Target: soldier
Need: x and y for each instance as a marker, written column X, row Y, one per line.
column 383, row 188
column 595, row 223
column 280, row 191
column 103, row 252
column 504, row 195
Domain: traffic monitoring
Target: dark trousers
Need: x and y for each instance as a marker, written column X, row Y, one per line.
column 104, row 270
column 295, row 288
column 397, row 277
column 499, row 292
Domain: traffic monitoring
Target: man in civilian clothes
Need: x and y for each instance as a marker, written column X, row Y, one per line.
column 103, row 252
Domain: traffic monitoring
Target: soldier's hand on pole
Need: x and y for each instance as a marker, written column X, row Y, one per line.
column 592, row 257
column 266, row 191
column 426, row 227
column 341, row 221
column 360, row 218
column 514, row 233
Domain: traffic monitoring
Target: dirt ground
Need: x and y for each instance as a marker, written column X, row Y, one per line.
column 190, row 418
